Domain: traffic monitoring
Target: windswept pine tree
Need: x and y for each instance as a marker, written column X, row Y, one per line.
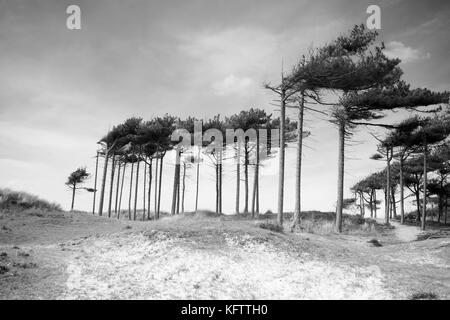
column 74, row 180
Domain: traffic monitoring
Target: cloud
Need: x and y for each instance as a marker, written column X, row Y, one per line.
column 396, row 49
column 232, row 85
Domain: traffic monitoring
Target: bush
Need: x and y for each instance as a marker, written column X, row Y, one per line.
column 22, row 201
column 424, row 296
column 271, row 226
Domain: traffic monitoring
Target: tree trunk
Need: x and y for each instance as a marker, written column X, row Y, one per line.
column 281, row 157
column 121, row 189
column 111, row 187
column 102, row 191
column 73, row 197
column 160, row 183
column 131, row 191
column 246, row 161
column 216, row 166
column 361, row 205
column 440, row 207
column 375, row 202
column 149, row 187
column 424, row 205
column 184, row 187
column 388, row 186
column 255, row 179
column 220, row 180
column 156, row 187
column 197, row 185
column 418, row 205
column 371, row 204
column 136, row 190
column 144, row 189
column 394, row 207
column 402, row 192
column 298, row 167
column 238, row 178
column 178, row 188
column 95, row 184
column 117, row 188
column 340, row 186
column 176, row 181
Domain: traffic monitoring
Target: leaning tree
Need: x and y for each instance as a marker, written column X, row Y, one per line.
column 76, row 178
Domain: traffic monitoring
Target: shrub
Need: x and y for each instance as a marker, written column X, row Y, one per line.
column 271, row 226
column 424, row 296
column 21, row 201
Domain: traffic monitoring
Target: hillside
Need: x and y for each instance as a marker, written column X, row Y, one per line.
column 60, row 255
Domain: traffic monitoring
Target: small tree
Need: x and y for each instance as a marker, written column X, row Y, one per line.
column 76, row 178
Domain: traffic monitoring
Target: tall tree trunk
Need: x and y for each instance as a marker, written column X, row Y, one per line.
column 131, row 190
column 196, row 188
column 298, row 166
column 121, row 189
column 255, row 179
column 220, row 180
column 394, row 207
column 246, row 161
column 440, row 207
column 156, row 187
column 111, row 187
column 160, row 183
column 176, row 181
column 149, row 187
column 73, row 196
column 178, row 189
column 184, row 187
column 136, row 190
column 375, row 202
column 102, row 191
column 361, row 205
column 95, row 183
column 418, row 205
column 216, row 165
column 388, row 186
column 117, row 188
column 281, row 157
column 238, row 177
column 340, row 186
column 402, row 192
column 144, row 191
column 424, row 205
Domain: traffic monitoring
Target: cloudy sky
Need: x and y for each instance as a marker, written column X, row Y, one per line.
column 60, row 89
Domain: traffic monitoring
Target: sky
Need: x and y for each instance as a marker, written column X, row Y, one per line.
column 61, row 90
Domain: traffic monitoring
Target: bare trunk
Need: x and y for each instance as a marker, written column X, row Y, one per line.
column 340, row 186
column 95, row 183
column 446, row 209
column 196, row 188
column 160, row 183
column 116, row 205
column 131, row 191
column 149, row 187
column 238, row 179
column 246, row 161
column 136, row 190
column 144, row 191
column 255, row 180
column 102, row 191
column 402, row 192
column 388, row 186
column 156, row 186
column 121, row 189
column 281, row 158
column 220, row 181
column 394, row 207
column 298, row 167
column 176, row 181
column 73, row 197
column 424, row 205
column 216, row 166
column 184, row 187
column 111, row 187
column 375, row 202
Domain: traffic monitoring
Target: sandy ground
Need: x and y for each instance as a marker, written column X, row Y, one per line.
column 79, row 256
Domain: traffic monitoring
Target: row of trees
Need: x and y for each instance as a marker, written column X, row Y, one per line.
column 414, row 149
column 350, row 80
